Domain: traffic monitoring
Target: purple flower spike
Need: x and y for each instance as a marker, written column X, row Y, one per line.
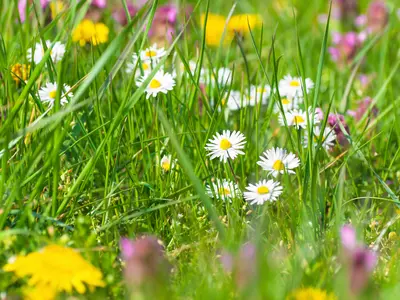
column 243, row 266
column 348, row 236
column 334, row 121
column 99, row 3
column 345, row 47
column 377, row 16
column 362, row 109
column 120, row 16
column 22, row 7
column 166, row 14
column 127, row 248
column 344, row 9
column 145, row 261
column 360, row 260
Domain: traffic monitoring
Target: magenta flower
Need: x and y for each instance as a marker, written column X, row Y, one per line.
column 344, row 9
column 360, row 21
column 22, row 7
column 164, row 23
column 119, row 15
column 345, row 47
column 335, row 121
column 145, row 261
column 377, row 16
column 360, row 260
column 242, row 266
column 99, row 3
column 362, row 109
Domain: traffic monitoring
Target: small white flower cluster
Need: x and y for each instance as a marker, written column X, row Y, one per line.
column 143, row 63
column 227, row 146
column 47, row 93
column 291, row 91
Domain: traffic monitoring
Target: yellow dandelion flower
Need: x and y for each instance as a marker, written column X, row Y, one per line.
column 20, row 71
column 215, row 29
column 310, row 294
column 57, row 268
column 89, row 32
column 240, row 23
column 101, row 34
column 39, row 293
column 216, row 25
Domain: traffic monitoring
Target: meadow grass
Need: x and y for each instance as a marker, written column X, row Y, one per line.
column 88, row 173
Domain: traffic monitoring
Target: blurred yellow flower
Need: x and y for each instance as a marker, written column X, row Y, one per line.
column 55, row 8
column 101, row 34
column 241, row 23
column 216, row 25
column 89, row 32
column 20, row 71
column 310, row 294
column 55, row 268
column 39, row 293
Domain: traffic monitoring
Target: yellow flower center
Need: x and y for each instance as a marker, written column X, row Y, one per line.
column 225, row 144
column 53, row 94
column 316, row 138
column 223, row 101
column 224, row 192
column 261, row 90
column 298, row 120
column 150, row 53
column 294, row 83
column 145, row 66
column 155, row 84
column 262, row 190
column 278, row 165
column 285, row 101
column 166, row 165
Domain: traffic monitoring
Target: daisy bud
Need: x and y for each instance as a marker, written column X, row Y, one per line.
column 377, row 16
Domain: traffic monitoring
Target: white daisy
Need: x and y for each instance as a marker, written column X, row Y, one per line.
column 233, row 102
column 56, row 53
column 226, row 145
column 288, row 103
column 48, row 94
column 160, row 83
column 297, row 118
column 278, row 161
column 182, row 69
column 259, row 92
column 152, row 53
column 328, row 138
column 223, row 189
column 262, row 191
column 146, row 66
column 166, row 163
column 292, row 86
column 221, row 76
